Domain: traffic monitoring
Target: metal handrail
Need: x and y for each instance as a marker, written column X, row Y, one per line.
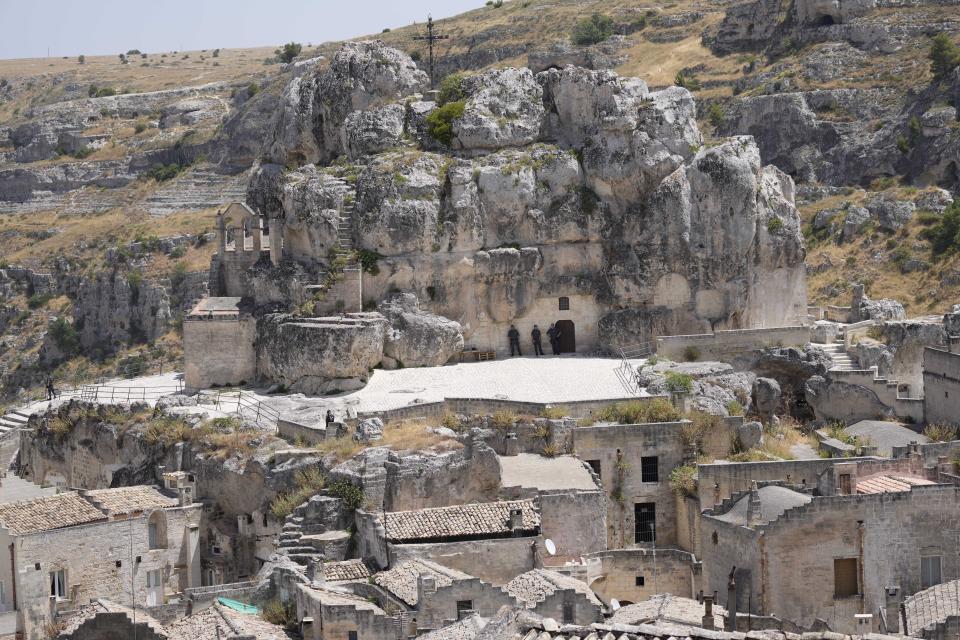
column 626, row 372
column 244, row 404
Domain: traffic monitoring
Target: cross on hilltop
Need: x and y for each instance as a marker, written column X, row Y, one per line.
column 430, row 38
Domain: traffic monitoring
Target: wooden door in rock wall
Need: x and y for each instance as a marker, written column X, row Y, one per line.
column 568, row 336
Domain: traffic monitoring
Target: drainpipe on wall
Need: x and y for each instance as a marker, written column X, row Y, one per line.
column 13, row 577
column 762, row 542
column 861, row 532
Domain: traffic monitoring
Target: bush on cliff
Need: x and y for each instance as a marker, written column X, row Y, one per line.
column 440, row 121
column 592, row 30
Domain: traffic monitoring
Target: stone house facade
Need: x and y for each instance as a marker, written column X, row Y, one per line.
column 68, row 549
column 831, row 557
column 634, row 464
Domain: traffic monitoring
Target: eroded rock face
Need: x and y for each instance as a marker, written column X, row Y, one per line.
column 319, row 355
column 316, row 106
column 416, row 338
column 863, row 308
column 766, row 397
column 504, row 108
column 114, row 308
column 833, row 400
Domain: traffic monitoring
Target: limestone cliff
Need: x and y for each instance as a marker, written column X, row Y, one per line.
column 568, row 185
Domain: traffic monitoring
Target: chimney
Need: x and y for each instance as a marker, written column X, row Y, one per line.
column 731, row 624
column 315, row 571
column 426, row 585
column 516, row 521
column 754, row 515
column 707, row 612
column 892, row 610
column 716, row 494
column 185, row 493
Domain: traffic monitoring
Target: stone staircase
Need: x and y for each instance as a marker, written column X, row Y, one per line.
column 345, row 294
column 837, row 351
column 312, row 532
column 201, row 187
column 13, row 421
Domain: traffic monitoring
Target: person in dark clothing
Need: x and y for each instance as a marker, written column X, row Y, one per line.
column 514, row 337
column 554, row 335
column 330, row 416
column 535, row 334
column 51, row 392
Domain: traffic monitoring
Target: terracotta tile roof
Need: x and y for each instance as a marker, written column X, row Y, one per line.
column 123, row 500
column 885, row 483
column 346, row 570
column 480, row 520
column 930, row 606
column 50, row 512
column 401, row 580
column 536, row 585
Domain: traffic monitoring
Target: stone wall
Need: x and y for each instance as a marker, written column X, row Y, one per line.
column 733, row 478
column 439, row 608
column 576, row 521
column 618, row 450
column 420, row 482
column 90, row 553
column 725, row 345
column 941, row 386
column 221, row 352
column 335, row 619
column 634, row 575
column 494, row 561
column 886, row 533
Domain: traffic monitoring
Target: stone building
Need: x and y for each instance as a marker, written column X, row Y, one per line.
column 934, row 613
column 219, row 335
column 68, row 549
column 554, row 595
column 633, row 463
column 874, row 525
column 494, row 541
column 941, row 384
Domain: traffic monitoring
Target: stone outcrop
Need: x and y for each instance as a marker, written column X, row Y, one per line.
column 766, row 397
column 863, row 308
column 314, row 110
column 117, row 308
column 416, row 338
column 319, row 355
column 838, row 401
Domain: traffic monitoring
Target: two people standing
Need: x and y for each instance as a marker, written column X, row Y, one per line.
column 553, row 334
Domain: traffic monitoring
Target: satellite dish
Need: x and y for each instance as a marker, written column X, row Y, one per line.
column 614, row 604
column 551, row 548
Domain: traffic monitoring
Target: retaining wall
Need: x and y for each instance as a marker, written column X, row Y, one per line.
column 724, row 344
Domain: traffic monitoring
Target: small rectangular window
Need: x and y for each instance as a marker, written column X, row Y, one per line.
column 58, row 584
column 351, row 635
column 649, row 469
column 845, row 581
column 595, row 465
column 639, row 581
column 845, row 484
column 564, row 303
column 464, row 605
column 568, row 613
column 930, row 574
column 645, row 522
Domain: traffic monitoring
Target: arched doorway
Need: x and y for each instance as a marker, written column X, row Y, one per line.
column 568, row 336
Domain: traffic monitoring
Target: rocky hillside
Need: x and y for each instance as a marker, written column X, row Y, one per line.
column 111, row 169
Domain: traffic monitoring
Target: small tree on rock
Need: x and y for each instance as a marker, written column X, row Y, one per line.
column 290, row 51
column 592, row 30
column 944, row 56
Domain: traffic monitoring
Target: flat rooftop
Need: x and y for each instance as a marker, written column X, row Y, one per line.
column 532, row 471
column 217, row 307
column 885, row 435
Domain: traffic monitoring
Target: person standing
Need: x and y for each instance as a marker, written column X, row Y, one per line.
column 552, row 337
column 514, row 336
column 535, row 334
column 556, row 339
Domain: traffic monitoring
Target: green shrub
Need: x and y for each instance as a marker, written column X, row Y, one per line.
column 451, row 89
column 927, row 218
column 687, row 82
column 164, row 172
column 903, row 145
column 554, row 413
column 683, row 480
column 140, row 127
column 945, row 234
column 65, row 336
column 640, row 412
column 350, row 494
column 940, row 432
column 592, row 30
column 253, row 89
column 715, row 115
column 691, row 354
column 944, row 55
column 774, row 224
column 280, row 614
column 440, row 121
column 734, row 408
column 38, row 300
column 679, row 382
column 290, row 51
column 368, row 260
column 503, row 420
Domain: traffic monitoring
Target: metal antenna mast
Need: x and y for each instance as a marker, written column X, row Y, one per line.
column 430, row 38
